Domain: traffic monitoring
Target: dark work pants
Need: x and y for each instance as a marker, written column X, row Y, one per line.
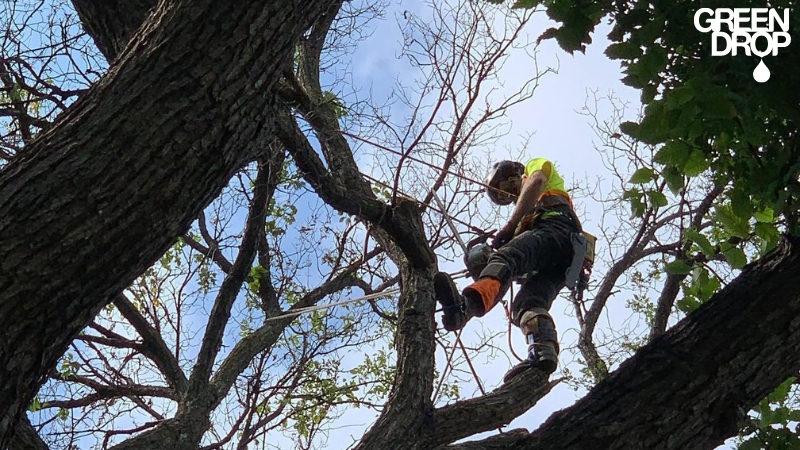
column 545, row 248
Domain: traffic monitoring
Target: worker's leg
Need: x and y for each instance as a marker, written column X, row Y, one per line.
column 543, row 247
column 547, row 247
column 530, row 312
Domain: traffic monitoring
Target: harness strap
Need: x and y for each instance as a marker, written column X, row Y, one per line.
column 542, row 212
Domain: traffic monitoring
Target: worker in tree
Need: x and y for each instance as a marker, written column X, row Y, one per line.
column 537, row 241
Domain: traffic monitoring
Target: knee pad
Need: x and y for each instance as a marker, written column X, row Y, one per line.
column 498, row 271
column 538, row 322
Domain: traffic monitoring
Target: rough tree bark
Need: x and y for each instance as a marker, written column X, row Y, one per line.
column 111, row 23
column 95, row 200
column 26, row 437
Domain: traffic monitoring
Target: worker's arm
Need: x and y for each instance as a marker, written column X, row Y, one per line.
column 529, row 193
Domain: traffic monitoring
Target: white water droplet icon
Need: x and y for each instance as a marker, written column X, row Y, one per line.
column 761, row 72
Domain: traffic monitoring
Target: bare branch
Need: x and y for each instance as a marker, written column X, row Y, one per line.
column 153, row 345
column 265, row 184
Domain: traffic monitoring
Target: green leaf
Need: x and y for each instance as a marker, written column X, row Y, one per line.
column 623, row 50
column 657, row 199
column 653, row 62
column 781, row 393
column 632, row 193
column 705, row 286
column 36, row 405
column 711, row 287
column 678, row 267
column 695, row 164
column 674, row 179
column 780, row 416
column 741, row 205
column 629, row 128
column 637, row 207
column 678, row 97
column 651, row 31
column 649, row 92
column 705, row 246
column 673, row 153
column 688, row 304
column 769, row 235
column 766, row 414
column 336, row 104
column 717, row 107
column 652, row 128
column 735, row 256
column 794, row 415
column 765, row 215
column 733, row 224
column 643, row 175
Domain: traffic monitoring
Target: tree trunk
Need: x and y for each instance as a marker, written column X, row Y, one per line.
column 27, row 438
column 111, row 23
column 94, row 201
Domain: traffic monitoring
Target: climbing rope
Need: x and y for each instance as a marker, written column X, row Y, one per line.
column 411, row 158
column 448, row 364
column 508, row 317
column 308, row 309
column 299, row 311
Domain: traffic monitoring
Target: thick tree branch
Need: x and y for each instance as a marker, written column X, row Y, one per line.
column 672, row 285
column 466, row 418
column 111, row 23
column 153, row 345
column 344, row 188
column 415, row 342
column 312, row 46
column 670, row 290
column 26, row 437
column 400, row 222
column 498, row 442
column 266, row 182
column 121, row 390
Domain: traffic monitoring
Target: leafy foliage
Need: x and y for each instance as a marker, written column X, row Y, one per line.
column 775, row 424
column 707, row 112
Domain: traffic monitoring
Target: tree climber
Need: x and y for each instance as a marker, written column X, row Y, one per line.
column 537, row 242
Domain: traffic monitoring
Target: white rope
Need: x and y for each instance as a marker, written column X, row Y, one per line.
column 299, row 311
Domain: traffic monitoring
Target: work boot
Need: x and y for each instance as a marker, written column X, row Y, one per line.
column 540, row 333
column 457, row 308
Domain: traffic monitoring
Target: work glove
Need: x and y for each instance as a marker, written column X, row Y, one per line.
column 503, row 236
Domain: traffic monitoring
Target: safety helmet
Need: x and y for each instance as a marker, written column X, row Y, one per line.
column 504, row 182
